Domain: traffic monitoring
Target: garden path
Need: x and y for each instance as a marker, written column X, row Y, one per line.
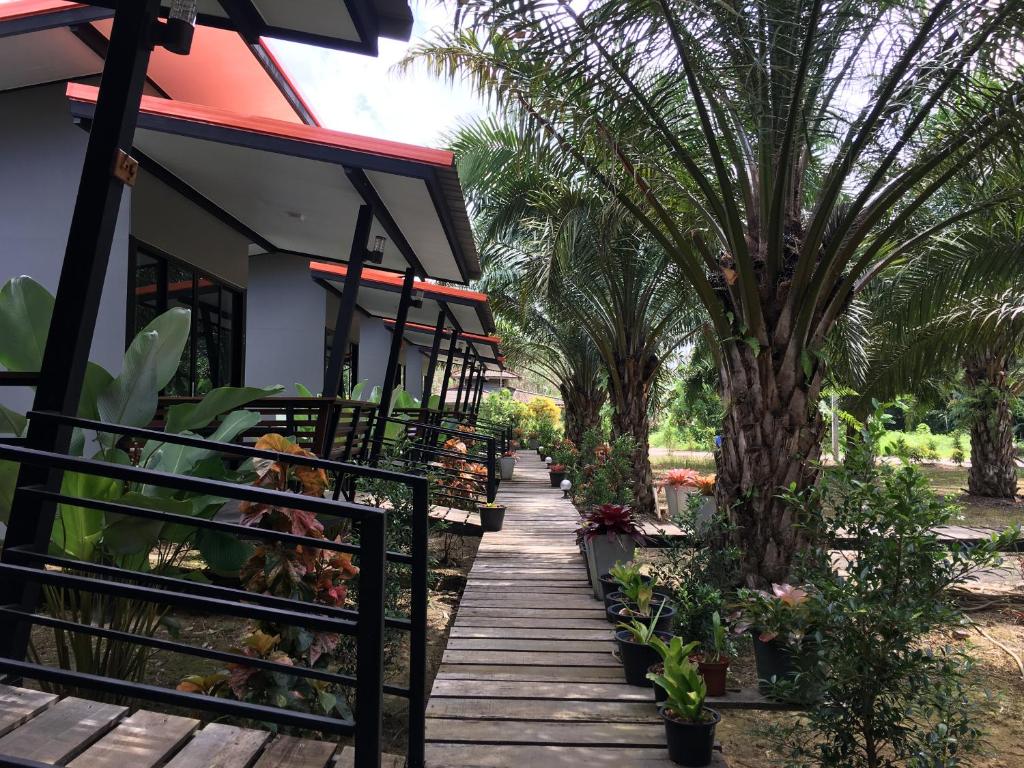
column 528, row 677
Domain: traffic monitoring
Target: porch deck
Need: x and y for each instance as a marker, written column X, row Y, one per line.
column 528, row 676
column 42, row 729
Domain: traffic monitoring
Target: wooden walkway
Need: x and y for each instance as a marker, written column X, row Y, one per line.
column 43, row 729
column 528, row 678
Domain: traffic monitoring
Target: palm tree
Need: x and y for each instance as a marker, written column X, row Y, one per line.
column 777, row 151
column 550, row 243
column 561, row 354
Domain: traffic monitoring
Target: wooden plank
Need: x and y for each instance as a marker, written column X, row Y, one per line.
column 62, row 731
column 144, row 740
column 513, row 622
column 561, row 690
column 530, row 673
column 539, row 732
column 545, row 709
column 221, row 746
column 528, row 600
column 603, row 645
column 536, row 633
column 531, row 613
column 20, row 704
column 290, row 752
column 347, row 759
column 532, row 659
column 550, row 756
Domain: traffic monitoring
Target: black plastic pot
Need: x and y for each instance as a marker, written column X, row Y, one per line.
column 609, row 585
column 556, row 478
column 620, row 597
column 690, row 744
column 491, row 518
column 664, row 620
column 637, row 658
column 659, row 693
column 773, row 660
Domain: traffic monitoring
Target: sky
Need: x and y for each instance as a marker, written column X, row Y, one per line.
column 360, row 94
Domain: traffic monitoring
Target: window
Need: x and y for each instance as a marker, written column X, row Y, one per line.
column 349, row 369
column 213, row 357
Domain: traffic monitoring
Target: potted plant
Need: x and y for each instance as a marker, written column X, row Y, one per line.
column 778, row 623
column 713, row 661
column 640, row 608
column 673, row 650
column 689, row 725
column 556, row 473
column 508, row 464
column 492, row 516
column 636, row 652
column 532, row 441
column 705, row 512
column 610, row 533
column 677, row 484
column 618, row 576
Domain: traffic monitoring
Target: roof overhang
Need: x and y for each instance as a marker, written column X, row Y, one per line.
column 297, row 188
column 468, row 311
column 487, row 348
column 349, row 25
column 47, row 41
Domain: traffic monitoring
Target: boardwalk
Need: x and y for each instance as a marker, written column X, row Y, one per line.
column 528, row 678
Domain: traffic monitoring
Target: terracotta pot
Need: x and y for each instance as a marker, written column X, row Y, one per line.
column 714, row 674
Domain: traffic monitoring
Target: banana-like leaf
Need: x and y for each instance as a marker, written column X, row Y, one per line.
column 25, row 311
column 172, row 329
column 224, row 553
column 194, row 416
column 11, row 423
column 359, row 389
column 131, row 399
column 78, row 530
column 303, row 391
column 97, row 380
column 180, row 459
column 128, row 535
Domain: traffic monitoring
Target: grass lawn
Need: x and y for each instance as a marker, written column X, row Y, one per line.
column 946, row 479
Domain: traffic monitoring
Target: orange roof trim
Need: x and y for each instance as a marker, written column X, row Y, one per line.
column 448, row 331
column 392, row 280
column 23, row 9
column 279, row 128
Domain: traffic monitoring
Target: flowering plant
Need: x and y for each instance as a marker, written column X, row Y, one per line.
column 781, row 612
column 706, row 485
column 509, row 454
column 556, row 468
column 609, row 520
column 681, row 478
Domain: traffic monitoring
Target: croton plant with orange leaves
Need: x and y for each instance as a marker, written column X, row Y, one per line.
column 462, row 478
column 293, row 571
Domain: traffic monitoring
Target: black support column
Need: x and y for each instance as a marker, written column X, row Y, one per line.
column 73, row 324
column 391, row 376
column 435, row 349
column 453, row 349
column 462, row 377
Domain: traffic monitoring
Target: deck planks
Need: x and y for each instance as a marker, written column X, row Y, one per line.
column 528, row 676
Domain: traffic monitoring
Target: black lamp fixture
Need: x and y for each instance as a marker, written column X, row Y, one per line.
column 376, row 255
column 180, row 28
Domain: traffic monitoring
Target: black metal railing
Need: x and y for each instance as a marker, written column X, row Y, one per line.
column 366, row 623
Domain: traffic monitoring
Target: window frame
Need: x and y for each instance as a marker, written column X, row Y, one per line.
column 164, row 260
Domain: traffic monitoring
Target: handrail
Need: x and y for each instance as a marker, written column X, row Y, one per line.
column 367, row 622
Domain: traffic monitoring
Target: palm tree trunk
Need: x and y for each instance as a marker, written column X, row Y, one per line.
column 582, row 409
column 993, row 472
column 629, row 417
column 771, row 439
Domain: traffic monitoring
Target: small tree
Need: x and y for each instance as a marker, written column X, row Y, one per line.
column 888, row 698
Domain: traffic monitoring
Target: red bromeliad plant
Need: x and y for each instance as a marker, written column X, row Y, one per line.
column 681, row 478
column 609, row 520
column 292, row 571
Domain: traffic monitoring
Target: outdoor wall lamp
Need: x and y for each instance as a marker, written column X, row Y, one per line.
column 376, row 256
column 566, row 486
column 176, row 35
column 417, row 300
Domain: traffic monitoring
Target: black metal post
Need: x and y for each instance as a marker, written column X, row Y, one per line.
column 347, row 302
column 73, row 324
column 370, row 642
column 435, row 348
column 418, row 629
column 453, row 348
column 391, row 375
column 480, row 388
column 462, row 377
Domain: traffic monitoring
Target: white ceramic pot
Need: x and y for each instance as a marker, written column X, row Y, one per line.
column 676, row 496
column 603, row 553
column 508, row 465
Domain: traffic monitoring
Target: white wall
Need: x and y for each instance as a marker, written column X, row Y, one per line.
column 415, row 367
column 41, row 154
column 285, row 312
column 374, row 348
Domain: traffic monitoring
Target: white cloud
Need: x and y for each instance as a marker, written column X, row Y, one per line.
column 360, row 94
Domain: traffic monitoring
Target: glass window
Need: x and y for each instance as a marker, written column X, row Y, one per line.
column 213, row 356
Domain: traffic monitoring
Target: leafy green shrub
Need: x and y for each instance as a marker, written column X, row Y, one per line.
column 604, row 471
column 887, row 697
column 502, row 408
